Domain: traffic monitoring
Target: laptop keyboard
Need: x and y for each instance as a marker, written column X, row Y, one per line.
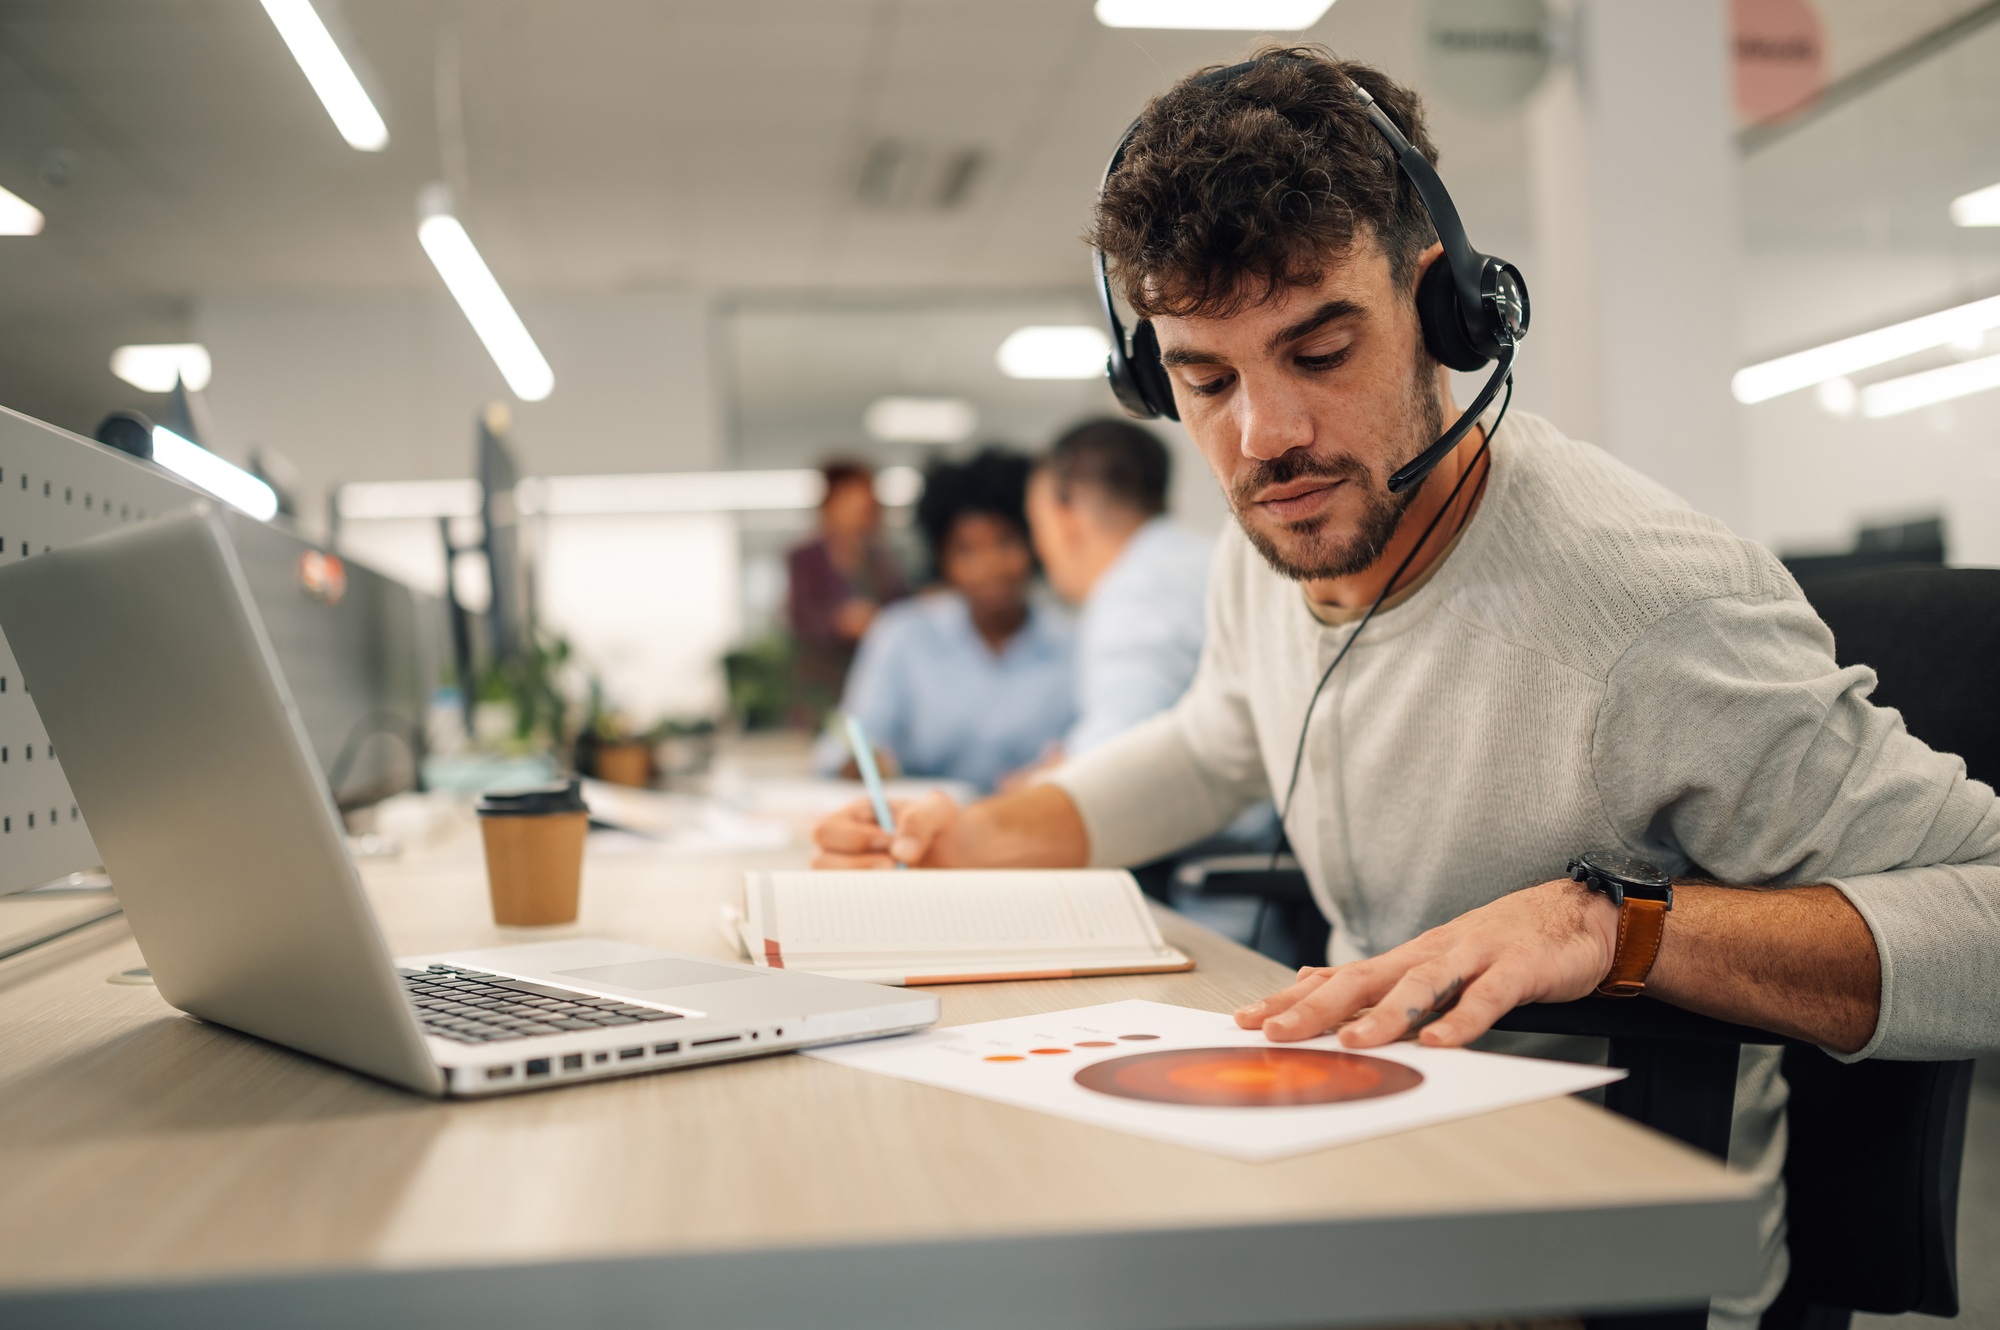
column 473, row 1007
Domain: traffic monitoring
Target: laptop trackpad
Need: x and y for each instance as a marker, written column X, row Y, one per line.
column 649, row 976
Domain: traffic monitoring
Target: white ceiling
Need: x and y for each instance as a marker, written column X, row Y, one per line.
column 610, row 145
column 621, row 145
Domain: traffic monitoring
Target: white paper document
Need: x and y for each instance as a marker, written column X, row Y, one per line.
column 1192, row 1078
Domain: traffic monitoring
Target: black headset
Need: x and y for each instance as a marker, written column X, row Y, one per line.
column 1473, row 308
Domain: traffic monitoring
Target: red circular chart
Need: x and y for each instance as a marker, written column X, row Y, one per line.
column 1249, row 1077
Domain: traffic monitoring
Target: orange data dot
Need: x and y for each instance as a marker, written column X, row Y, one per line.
column 1095, row 1043
column 1046, row 1051
column 1136, row 1038
column 1005, row 1057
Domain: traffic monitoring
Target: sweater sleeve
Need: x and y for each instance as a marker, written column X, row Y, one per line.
column 1730, row 740
column 1184, row 774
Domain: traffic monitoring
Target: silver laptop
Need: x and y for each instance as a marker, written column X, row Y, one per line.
column 153, row 673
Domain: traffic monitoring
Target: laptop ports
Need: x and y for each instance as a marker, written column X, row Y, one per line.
column 572, row 1062
column 627, row 1054
column 538, row 1066
column 505, row 1073
column 661, row 1050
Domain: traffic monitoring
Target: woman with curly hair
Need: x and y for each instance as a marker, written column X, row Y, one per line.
column 972, row 680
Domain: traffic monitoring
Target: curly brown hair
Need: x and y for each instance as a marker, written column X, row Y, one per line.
column 1232, row 189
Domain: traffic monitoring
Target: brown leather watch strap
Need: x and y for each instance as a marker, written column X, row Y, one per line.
column 1641, row 925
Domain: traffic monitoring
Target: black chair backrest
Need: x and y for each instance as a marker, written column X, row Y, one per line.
column 1876, row 1147
column 1933, row 635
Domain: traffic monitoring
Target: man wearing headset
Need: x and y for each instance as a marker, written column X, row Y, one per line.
column 1524, row 711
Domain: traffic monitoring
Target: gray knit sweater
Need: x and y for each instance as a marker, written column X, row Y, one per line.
column 1594, row 666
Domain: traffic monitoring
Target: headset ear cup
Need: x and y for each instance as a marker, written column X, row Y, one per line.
column 1150, row 374
column 1442, row 321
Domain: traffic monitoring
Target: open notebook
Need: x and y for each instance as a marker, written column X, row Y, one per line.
column 951, row 926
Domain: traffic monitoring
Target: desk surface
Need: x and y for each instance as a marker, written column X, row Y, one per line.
column 148, row 1160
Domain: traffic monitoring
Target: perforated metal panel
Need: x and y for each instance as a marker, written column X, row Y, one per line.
column 56, row 488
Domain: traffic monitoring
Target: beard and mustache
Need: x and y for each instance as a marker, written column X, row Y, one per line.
column 1316, row 553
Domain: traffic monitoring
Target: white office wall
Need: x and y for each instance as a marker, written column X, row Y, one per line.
column 388, row 386
column 647, row 603
column 1633, row 188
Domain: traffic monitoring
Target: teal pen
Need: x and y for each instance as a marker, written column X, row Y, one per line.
column 871, row 778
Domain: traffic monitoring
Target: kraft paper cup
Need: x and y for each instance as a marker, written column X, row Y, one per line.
column 534, row 852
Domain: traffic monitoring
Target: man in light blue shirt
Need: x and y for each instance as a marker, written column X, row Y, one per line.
column 1097, row 508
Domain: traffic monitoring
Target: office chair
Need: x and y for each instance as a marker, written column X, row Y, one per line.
column 1872, row 1168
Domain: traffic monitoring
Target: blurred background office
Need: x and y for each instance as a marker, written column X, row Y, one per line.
column 627, row 332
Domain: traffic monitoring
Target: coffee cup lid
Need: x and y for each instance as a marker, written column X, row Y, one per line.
column 562, row 796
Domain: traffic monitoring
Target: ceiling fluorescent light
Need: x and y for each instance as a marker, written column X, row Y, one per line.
column 1979, row 208
column 1893, row 397
column 18, row 217
column 920, row 420
column 232, row 484
column 155, row 368
column 1228, row 15
column 1803, row 369
column 1048, row 351
column 329, row 73
column 479, row 295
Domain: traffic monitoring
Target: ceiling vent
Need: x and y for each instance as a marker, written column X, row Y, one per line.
column 899, row 175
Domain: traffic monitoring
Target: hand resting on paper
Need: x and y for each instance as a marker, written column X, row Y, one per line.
column 1549, row 943
column 1799, row 960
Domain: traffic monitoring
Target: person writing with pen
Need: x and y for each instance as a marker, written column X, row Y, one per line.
column 1464, row 655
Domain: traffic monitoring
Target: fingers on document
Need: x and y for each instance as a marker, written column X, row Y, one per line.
column 1253, row 1016
column 1419, row 998
column 1484, row 1001
column 1333, row 1001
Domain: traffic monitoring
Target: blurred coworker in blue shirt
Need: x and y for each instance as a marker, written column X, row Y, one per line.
column 1097, row 508
column 972, row 681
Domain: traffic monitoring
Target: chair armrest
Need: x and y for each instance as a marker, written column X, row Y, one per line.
column 1632, row 1018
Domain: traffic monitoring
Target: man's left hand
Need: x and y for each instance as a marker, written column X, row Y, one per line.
column 1551, row 943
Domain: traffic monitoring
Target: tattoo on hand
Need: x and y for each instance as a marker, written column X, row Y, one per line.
column 1442, row 1001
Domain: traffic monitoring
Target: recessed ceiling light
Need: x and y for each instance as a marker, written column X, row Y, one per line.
column 1892, row 397
column 1229, row 15
column 1803, row 369
column 486, row 306
column 920, row 419
column 226, row 481
column 156, row 367
column 354, row 115
column 18, row 217
column 1054, row 351
column 1979, row 208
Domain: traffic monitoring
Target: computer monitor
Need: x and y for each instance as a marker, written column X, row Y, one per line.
column 508, row 613
column 361, row 652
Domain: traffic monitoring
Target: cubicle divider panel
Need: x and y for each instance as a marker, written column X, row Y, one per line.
column 56, row 489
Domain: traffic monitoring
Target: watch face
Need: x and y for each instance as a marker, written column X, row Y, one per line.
column 1627, row 869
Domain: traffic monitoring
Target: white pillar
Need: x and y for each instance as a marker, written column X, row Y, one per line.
column 1634, row 189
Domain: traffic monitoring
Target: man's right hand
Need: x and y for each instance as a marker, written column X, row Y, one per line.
column 1033, row 828
column 929, row 834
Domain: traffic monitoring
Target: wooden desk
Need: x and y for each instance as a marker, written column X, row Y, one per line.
column 156, row 1171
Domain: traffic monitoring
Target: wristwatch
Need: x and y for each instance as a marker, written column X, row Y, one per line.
column 1643, row 895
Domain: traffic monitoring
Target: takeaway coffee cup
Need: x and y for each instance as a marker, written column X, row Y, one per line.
column 534, row 852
